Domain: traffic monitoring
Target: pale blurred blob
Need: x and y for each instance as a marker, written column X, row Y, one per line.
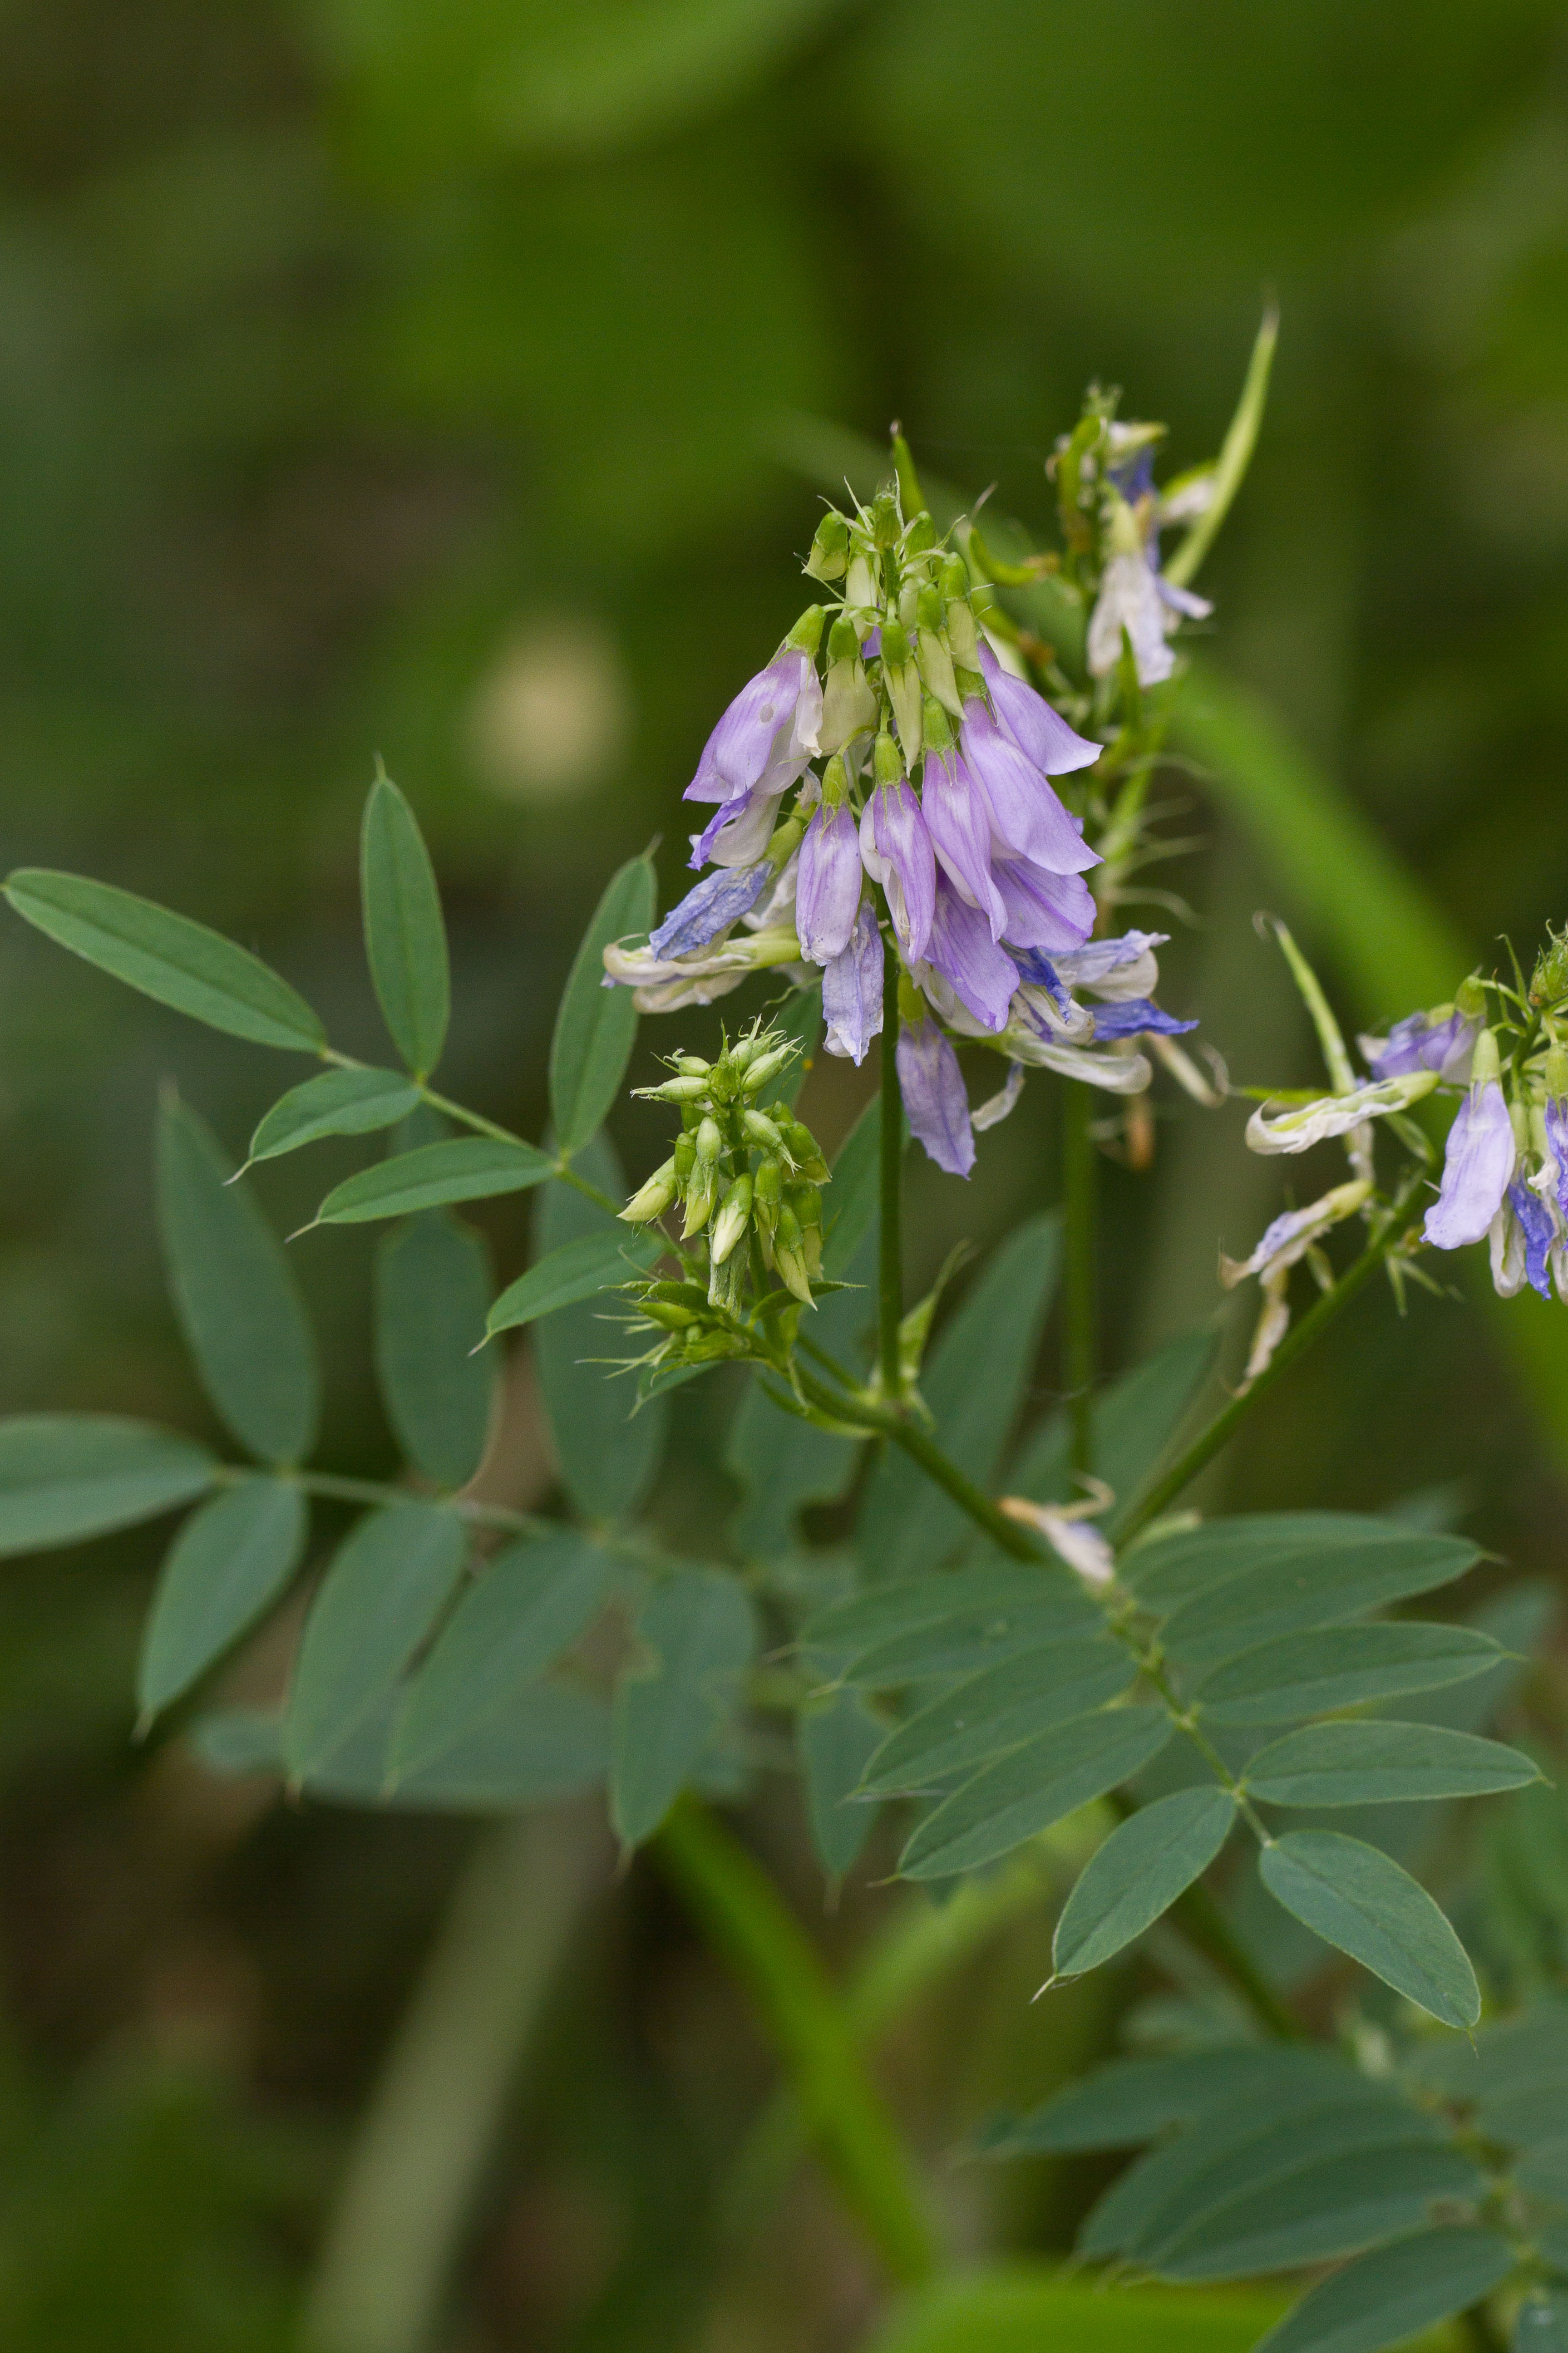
column 552, row 714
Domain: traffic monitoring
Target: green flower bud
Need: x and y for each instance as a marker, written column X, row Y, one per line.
column 843, row 640
column 691, row 1066
column 887, row 760
column 676, row 1294
column 668, row 1317
column 734, row 1217
column 952, row 577
column 835, row 783
column 652, row 1197
column 767, row 1067
column 1557, row 1072
column 929, row 609
column 920, row 534
column 883, row 518
column 704, row 1178
column 896, row 649
column 760, row 1130
column 789, row 1254
column 806, row 634
column 829, row 557
column 849, row 705
column 860, row 583
column 805, row 1152
column 1470, row 996
column 903, row 684
column 767, row 1192
column 685, row 1157
column 675, row 1091
column 1549, row 982
column 970, row 685
column 806, row 1202
column 1486, row 1062
column 936, row 669
column 936, row 725
column 962, row 637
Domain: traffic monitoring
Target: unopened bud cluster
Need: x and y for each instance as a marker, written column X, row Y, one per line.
column 746, row 1177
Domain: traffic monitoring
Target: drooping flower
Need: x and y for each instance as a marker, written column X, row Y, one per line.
column 1304, row 1125
column 1440, row 1040
column 1026, row 820
column 852, row 990
column 959, row 824
column 935, row 1097
column 896, row 851
column 1521, row 1236
column 1135, row 596
column 827, row 888
column 761, row 745
column 666, row 984
column 1039, row 730
column 964, row 963
column 713, row 905
column 1478, row 1167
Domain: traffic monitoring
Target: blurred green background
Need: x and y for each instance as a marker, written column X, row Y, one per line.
column 428, row 379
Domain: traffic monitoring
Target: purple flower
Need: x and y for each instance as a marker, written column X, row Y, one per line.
column 959, row 824
column 933, row 1091
column 1123, row 966
column 738, row 831
column 761, row 745
column 895, row 849
column 1133, row 1014
column 1421, row 1042
column 852, row 990
column 828, row 888
column 1046, row 911
column 1476, row 1169
column 718, row 901
column 962, row 952
column 1535, row 1224
column 1556, row 1121
column 1027, row 820
column 1041, row 733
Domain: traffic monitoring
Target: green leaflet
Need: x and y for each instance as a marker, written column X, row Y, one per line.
column 928, row 1627
column 234, row 1289
column 167, row 956
column 230, row 1560
column 850, row 1201
column 783, row 1462
column 1355, row 1898
column 1393, row 2293
column 1126, row 2101
column 1527, row 2114
column 468, row 1168
column 697, row 1633
column 433, row 1283
column 1343, row 1666
column 529, row 1605
column 1138, row 1873
column 1033, row 1787
column 377, row 1602
column 595, row 1026
column 973, row 1383
column 551, row 1743
column 64, row 1476
column 404, row 937
column 1166, row 1570
column 1544, row 2171
column 1018, row 2306
column 1541, row 2325
column 596, row 1261
column 338, row 1102
column 998, row 1709
column 835, row 1738
column 1371, row 1764
column 608, row 1448
column 1295, row 1591
column 1242, row 2149
column 1335, row 2205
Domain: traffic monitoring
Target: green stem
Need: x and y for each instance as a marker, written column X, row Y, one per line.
column 1078, row 1285
column 328, row 1483
column 1011, row 1537
column 745, row 1916
column 1159, row 1498
column 481, row 1126
column 890, row 1289
column 1203, row 1924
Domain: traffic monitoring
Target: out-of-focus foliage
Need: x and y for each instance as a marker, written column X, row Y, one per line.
column 379, row 375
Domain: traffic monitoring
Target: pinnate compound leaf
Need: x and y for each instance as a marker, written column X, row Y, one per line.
column 167, row 956
column 595, row 1026
column 338, row 1103
column 579, row 1270
column 1033, row 1787
column 65, row 1476
column 1329, row 2206
column 923, row 1627
column 1365, row 1764
column 1166, row 1570
column 1357, row 1900
column 230, row 1560
column 1126, row 2101
column 467, row 1168
column 973, row 1383
column 1341, row 1666
column 234, row 1293
column 433, row 1283
column 531, row 1605
column 376, row 1603
column 1393, row 2293
column 609, row 1446
column 404, row 937
column 1138, row 1873
column 989, row 1712
column 553, row 1742
column 835, row 1739
column 697, row 1633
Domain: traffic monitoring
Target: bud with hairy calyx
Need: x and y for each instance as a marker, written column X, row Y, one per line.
column 805, row 1152
column 935, row 660
column 903, row 684
column 849, row 705
column 704, row 1175
column 805, row 1200
column 653, row 1197
column 759, row 1129
column 767, row 1066
column 789, row 1254
column 767, row 1192
column 733, row 1218
column 806, row 634
column 829, row 557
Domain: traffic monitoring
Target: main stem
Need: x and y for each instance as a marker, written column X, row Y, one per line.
column 1079, row 1287
column 890, row 1287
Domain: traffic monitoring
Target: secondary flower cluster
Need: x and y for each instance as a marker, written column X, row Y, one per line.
column 928, row 828
column 1505, row 1164
column 748, row 1184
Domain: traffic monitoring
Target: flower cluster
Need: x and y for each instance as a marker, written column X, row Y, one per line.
column 883, row 790
column 747, row 1182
